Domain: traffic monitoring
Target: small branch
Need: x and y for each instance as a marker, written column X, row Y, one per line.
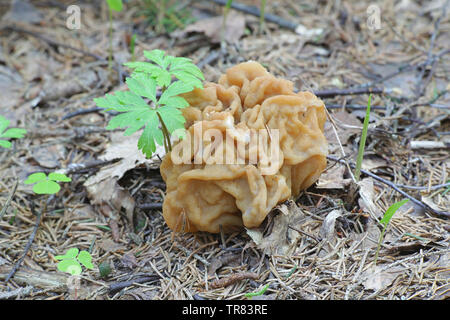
column 150, row 206
column 256, row 12
column 224, row 282
column 114, row 287
column 30, row 240
column 427, row 145
column 396, row 188
column 351, row 91
column 8, row 201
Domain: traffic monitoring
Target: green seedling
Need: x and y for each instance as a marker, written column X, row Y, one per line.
column 132, row 46
column 140, row 107
column 166, row 15
column 261, row 16
column 44, row 184
column 385, row 221
column 113, row 5
column 12, row 133
column 362, row 142
column 227, row 9
column 258, row 293
column 72, row 261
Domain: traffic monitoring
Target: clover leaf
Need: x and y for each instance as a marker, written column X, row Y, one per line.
column 46, row 185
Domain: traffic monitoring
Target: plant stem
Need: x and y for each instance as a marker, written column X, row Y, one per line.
column 379, row 244
column 166, row 134
column 110, row 40
column 362, row 142
column 261, row 16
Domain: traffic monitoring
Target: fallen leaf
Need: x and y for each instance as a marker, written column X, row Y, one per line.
column 327, row 230
column 377, row 279
column 333, row 179
column 281, row 237
column 23, row 11
column 109, row 245
column 212, row 27
column 367, row 194
column 110, row 197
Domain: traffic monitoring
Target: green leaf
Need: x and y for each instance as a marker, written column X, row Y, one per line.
column 186, row 65
column 163, row 77
column 176, row 88
column 142, row 84
column 104, row 269
column 70, row 266
column 4, row 123
column 110, row 102
column 86, row 260
column 131, row 99
column 157, row 56
column 5, row 144
column 14, row 133
column 70, row 254
column 172, row 117
column 139, row 66
column 187, row 78
column 362, row 142
column 115, row 5
column 150, row 135
column 35, row 177
column 390, row 212
column 59, row 177
column 46, row 187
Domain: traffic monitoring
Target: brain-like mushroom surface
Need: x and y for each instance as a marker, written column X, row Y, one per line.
column 251, row 142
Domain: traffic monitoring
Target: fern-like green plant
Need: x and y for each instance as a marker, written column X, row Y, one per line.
column 12, row 133
column 140, row 107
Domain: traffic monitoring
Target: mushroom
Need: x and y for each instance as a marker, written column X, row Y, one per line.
column 251, row 142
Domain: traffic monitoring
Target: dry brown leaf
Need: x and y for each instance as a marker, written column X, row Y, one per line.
column 125, row 148
column 103, row 189
column 110, row 246
column 110, row 198
column 212, row 27
column 378, row 279
column 347, row 125
column 281, row 237
column 367, row 195
column 333, row 179
column 327, row 230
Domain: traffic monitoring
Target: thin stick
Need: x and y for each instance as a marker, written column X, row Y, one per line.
column 351, row 91
column 8, row 201
column 393, row 186
column 30, row 240
column 256, row 12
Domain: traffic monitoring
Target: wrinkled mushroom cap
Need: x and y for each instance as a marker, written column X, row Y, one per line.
column 205, row 193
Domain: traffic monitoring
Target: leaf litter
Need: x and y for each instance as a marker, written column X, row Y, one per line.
column 319, row 246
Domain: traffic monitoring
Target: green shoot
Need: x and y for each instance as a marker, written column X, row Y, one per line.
column 132, row 46
column 446, row 190
column 72, row 261
column 115, row 5
column 166, row 15
column 385, row 221
column 261, row 16
column 44, row 184
column 258, row 293
column 362, row 142
column 13, row 133
column 141, row 108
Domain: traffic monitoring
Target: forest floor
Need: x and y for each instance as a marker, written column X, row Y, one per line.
column 321, row 245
